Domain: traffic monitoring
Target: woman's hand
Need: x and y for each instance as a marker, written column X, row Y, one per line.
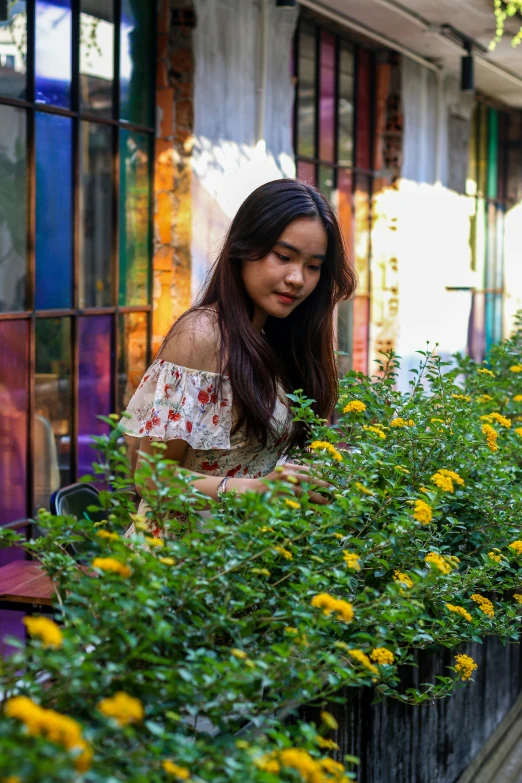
column 294, row 473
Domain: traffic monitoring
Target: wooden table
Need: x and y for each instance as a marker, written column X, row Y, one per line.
column 25, row 587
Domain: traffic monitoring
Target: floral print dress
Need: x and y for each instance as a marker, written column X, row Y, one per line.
column 174, row 402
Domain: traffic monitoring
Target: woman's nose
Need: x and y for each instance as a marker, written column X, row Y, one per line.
column 295, row 277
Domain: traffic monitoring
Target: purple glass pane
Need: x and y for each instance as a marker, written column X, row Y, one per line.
column 363, row 110
column 306, row 171
column 95, row 384
column 13, row 434
column 53, row 52
column 327, row 97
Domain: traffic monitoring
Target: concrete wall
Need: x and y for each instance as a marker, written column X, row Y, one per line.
column 227, row 160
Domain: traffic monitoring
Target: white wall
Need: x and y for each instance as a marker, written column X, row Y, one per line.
column 228, row 160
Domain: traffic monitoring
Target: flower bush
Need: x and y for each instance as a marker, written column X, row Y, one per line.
column 186, row 655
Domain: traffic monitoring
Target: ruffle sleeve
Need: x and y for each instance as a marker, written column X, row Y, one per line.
column 174, row 402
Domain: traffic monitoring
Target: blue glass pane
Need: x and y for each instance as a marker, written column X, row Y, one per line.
column 13, row 224
column 13, row 45
column 136, row 61
column 134, row 218
column 95, row 384
column 53, row 212
column 53, row 52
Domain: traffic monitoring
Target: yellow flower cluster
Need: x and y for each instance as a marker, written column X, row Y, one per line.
column 181, row 773
column 485, row 371
column 443, row 564
column 382, row 655
column 329, row 604
column 404, row 579
column 123, row 708
column 364, row 489
column 399, row 422
column 516, row 546
column 154, row 541
column 461, row 397
column 484, row 604
column 327, row 744
column 484, row 398
column 376, row 431
column 444, row 479
column 363, row 659
column 327, row 717
column 495, row 556
column 167, row 561
column 108, row 535
column 518, row 430
column 323, row 445
column 518, row 598
column 460, row 610
column 517, row 398
column 284, row 552
column 352, row 560
column 57, row 728
column 491, row 436
column 516, row 368
column 502, row 420
column 292, row 503
column 45, row 628
column 465, row 666
column 310, row 770
column 111, row 565
column 423, row 513
column 355, row 406
column 402, row 469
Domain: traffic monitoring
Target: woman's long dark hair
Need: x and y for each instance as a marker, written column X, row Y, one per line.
column 297, row 350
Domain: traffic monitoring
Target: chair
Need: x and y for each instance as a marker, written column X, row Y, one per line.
column 74, row 500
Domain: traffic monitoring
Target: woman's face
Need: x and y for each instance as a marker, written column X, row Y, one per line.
column 280, row 281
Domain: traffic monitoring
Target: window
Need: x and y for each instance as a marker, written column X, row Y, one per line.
column 76, row 147
column 333, row 139
column 494, row 175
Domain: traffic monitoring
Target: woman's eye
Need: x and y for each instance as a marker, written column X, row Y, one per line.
column 282, row 257
column 315, row 268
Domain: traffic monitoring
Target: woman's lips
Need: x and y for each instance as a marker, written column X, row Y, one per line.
column 285, row 299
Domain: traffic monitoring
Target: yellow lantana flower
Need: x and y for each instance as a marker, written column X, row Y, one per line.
column 363, row 659
column 352, row 560
column 400, row 422
column 123, row 708
column 376, row 431
column 46, row 629
column 109, row 564
column 423, row 513
column 355, row 406
column 181, row 773
column 460, row 610
column 329, row 604
column 382, row 655
column 465, row 666
column 516, row 368
column 484, row 604
column 323, row 445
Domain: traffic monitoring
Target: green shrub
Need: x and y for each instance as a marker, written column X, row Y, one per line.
column 196, row 650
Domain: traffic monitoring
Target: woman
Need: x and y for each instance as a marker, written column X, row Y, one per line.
column 264, row 326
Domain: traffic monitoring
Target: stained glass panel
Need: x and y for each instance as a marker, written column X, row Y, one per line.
column 53, row 52
column 53, row 211
column 96, row 185
column 360, row 334
column 344, row 336
column 134, row 218
column 306, row 92
column 13, row 222
column 346, row 90
column 345, row 207
column 363, row 112
column 95, row 384
column 327, row 98
column 136, row 62
column 362, row 231
column 13, row 50
column 327, row 183
column 53, row 408
column 96, row 56
column 132, row 355
column 306, row 172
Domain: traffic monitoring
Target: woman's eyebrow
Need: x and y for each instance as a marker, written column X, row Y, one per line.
column 288, row 246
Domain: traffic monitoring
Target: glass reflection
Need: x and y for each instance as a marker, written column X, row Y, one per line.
column 345, row 208
column 136, row 39
column 306, row 93
column 363, row 115
column 53, row 212
column 96, row 56
column 306, row 171
column 346, row 90
column 53, row 52
column 95, row 215
column 13, row 222
column 327, row 97
column 13, row 49
column 362, row 232
column 134, row 218
column 132, row 355
column 94, row 389
column 52, row 433
column 360, row 334
column 13, row 420
column 327, row 183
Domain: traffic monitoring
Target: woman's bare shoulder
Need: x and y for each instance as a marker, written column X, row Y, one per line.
column 194, row 341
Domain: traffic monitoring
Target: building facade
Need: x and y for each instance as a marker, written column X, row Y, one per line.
column 129, row 136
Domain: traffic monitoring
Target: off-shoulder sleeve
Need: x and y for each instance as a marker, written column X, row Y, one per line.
column 176, row 402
